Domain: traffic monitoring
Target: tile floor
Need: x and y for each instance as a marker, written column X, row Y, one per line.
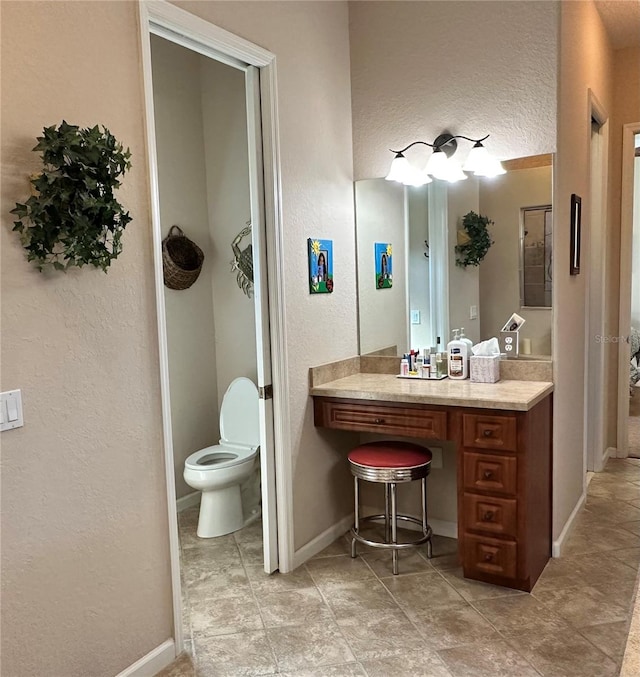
column 336, row 616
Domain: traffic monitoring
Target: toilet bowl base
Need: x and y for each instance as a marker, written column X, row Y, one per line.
column 220, row 512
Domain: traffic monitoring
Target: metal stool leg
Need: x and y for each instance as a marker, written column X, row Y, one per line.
column 356, row 525
column 394, row 527
column 425, row 525
column 386, row 513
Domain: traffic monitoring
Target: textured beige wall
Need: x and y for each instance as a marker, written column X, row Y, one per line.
column 85, row 554
column 229, row 205
column 635, row 260
column 586, row 62
column 311, row 42
column 182, row 173
column 626, row 109
column 85, row 565
column 501, row 200
column 473, row 68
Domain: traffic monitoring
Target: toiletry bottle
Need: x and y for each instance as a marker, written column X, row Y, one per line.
column 441, row 365
column 464, row 338
column 457, row 358
column 419, row 364
column 469, row 343
column 404, row 367
column 433, row 367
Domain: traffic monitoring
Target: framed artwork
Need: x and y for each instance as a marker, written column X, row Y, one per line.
column 320, row 266
column 383, row 252
column 576, row 228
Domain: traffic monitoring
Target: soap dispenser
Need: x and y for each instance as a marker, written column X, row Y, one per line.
column 469, row 343
column 458, row 357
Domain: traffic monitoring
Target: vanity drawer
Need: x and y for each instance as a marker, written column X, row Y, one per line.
column 487, row 513
column 489, row 556
column 489, row 432
column 489, row 472
column 367, row 417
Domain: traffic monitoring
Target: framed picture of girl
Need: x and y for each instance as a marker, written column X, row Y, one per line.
column 383, row 252
column 320, row 266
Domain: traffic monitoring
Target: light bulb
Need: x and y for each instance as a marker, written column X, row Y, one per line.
column 454, row 172
column 400, row 169
column 491, row 168
column 477, row 158
column 438, row 165
column 416, row 178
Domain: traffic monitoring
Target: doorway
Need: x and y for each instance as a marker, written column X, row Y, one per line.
column 258, row 117
column 628, row 429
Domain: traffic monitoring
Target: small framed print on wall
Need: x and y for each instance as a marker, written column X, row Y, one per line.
column 320, row 266
column 576, row 228
column 383, row 253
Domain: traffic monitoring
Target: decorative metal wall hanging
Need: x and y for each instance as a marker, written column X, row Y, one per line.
column 242, row 261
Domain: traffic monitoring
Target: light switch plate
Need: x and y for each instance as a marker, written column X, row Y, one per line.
column 415, row 317
column 11, row 410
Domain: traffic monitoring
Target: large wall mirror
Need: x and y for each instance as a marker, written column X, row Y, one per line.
column 430, row 294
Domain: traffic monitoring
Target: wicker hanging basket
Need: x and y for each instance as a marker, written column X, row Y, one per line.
column 181, row 260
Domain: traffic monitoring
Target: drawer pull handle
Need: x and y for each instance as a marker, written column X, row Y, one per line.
column 488, row 557
column 378, row 421
column 487, row 432
column 488, row 516
column 488, row 474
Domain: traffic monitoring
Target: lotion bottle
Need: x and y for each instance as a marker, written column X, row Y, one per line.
column 457, row 357
column 469, row 343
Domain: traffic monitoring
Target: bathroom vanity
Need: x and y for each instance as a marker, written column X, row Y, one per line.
column 502, row 433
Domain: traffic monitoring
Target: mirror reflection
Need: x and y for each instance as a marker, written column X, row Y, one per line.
column 430, row 294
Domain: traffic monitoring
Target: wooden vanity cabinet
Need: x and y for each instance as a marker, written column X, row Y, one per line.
column 504, row 495
column 503, row 476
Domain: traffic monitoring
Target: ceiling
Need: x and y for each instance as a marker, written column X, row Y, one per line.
column 621, row 19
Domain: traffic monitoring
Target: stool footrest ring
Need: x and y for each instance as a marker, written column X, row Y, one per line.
column 388, row 546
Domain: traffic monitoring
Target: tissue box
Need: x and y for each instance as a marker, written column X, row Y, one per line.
column 484, row 368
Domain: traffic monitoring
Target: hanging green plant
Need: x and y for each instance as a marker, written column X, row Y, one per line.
column 474, row 240
column 72, row 218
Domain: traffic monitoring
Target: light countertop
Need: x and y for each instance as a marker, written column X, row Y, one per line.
column 512, row 395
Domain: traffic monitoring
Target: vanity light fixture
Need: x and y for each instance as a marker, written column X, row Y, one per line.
column 441, row 165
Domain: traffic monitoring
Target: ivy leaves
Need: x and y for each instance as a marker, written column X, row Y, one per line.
column 73, row 218
column 478, row 240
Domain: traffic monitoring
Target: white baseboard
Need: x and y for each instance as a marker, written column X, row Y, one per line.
column 558, row 544
column 319, row 543
column 327, row 537
column 443, row 528
column 157, row 659
column 188, row 501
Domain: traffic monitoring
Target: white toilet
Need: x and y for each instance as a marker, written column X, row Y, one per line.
column 218, row 471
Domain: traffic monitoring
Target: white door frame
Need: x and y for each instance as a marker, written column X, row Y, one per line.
column 596, row 275
column 161, row 18
column 626, row 242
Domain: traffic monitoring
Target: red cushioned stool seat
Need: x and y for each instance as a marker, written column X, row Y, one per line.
column 390, row 455
column 390, row 463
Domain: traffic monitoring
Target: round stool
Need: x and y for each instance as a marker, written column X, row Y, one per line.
column 390, row 463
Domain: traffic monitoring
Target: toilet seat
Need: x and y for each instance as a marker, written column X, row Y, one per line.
column 219, row 471
column 220, row 456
